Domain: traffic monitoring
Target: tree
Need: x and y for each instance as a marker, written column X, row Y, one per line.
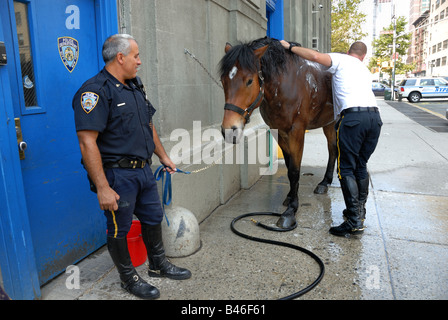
column 346, row 22
column 382, row 48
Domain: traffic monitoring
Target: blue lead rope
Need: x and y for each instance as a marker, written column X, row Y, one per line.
column 167, row 192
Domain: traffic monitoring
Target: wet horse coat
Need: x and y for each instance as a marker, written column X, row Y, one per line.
column 293, row 95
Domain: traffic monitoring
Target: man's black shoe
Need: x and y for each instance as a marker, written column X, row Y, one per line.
column 345, row 229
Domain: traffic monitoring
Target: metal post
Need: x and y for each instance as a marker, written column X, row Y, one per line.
column 394, row 44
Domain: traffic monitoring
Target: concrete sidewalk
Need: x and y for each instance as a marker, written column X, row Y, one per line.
column 403, row 254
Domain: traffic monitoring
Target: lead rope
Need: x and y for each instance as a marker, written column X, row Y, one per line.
column 167, row 190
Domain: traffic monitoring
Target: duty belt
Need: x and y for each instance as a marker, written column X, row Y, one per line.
column 359, row 109
column 127, row 164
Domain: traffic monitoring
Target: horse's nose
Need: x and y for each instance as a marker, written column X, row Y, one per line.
column 231, row 135
column 226, row 132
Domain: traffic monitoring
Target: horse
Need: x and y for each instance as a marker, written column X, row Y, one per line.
column 293, row 95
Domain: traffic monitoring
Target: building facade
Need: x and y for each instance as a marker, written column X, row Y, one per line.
column 437, row 50
column 429, row 27
column 44, row 226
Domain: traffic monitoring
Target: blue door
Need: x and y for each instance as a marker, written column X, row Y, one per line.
column 275, row 16
column 53, row 46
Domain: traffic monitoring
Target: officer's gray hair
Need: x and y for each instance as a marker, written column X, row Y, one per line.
column 115, row 44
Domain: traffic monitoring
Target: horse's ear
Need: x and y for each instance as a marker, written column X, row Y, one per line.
column 260, row 52
column 228, row 47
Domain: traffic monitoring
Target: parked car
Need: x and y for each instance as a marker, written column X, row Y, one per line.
column 416, row 88
column 378, row 88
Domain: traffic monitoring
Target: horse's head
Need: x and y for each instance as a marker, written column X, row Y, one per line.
column 243, row 88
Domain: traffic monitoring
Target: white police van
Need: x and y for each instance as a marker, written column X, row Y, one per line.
column 415, row 89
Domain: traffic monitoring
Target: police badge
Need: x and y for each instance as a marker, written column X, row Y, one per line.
column 69, row 52
column 89, row 101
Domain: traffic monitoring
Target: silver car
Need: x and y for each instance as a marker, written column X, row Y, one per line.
column 415, row 89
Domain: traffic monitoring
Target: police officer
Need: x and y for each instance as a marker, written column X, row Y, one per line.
column 117, row 138
column 358, row 127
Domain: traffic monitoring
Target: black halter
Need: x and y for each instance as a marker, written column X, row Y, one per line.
column 247, row 112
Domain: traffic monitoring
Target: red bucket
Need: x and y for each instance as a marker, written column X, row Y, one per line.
column 137, row 249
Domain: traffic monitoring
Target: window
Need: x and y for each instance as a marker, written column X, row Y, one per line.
column 409, row 82
column 427, row 82
column 26, row 56
column 315, row 43
column 18, row 18
column 444, row 61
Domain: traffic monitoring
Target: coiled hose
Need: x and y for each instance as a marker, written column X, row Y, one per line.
column 282, row 244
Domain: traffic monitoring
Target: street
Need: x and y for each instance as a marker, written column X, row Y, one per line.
column 430, row 113
column 437, row 106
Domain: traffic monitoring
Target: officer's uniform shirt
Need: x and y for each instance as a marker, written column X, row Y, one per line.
column 121, row 114
column 352, row 83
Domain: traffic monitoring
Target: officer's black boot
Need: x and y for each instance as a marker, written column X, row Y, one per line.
column 159, row 265
column 363, row 188
column 363, row 191
column 353, row 224
column 130, row 280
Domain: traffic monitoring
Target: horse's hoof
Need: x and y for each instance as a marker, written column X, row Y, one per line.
column 286, row 221
column 321, row 189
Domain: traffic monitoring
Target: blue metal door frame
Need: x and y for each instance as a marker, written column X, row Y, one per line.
column 275, row 16
column 17, row 254
column 17, row 263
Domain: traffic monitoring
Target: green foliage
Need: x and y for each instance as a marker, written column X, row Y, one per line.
column 346, row 22
column 382, row 47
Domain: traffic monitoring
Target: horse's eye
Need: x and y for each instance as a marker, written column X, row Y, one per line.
column 248, row 83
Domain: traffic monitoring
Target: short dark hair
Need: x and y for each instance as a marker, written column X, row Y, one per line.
column 359, row 48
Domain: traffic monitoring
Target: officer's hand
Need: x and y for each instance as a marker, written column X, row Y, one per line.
column 285, row 44
column 170, row 166
column 108, row 199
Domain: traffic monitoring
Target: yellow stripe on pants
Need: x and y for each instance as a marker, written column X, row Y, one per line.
column 115, row 223
column 339, row 150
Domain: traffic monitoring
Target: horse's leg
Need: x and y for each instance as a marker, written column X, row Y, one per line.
column 330, row 134
column 287, row 158
column 296, row 140
column 284, row 145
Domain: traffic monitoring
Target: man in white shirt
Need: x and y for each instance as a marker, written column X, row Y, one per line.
column 358, row 127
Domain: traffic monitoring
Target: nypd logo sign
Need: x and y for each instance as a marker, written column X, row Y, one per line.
column 69, row 52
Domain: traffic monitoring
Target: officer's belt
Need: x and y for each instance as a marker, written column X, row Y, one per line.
column 359, row 109
column 127, row 164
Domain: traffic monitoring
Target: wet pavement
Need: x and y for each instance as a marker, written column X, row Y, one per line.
column 402, row 255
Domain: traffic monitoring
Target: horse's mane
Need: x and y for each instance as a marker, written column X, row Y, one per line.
column 273, row 61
